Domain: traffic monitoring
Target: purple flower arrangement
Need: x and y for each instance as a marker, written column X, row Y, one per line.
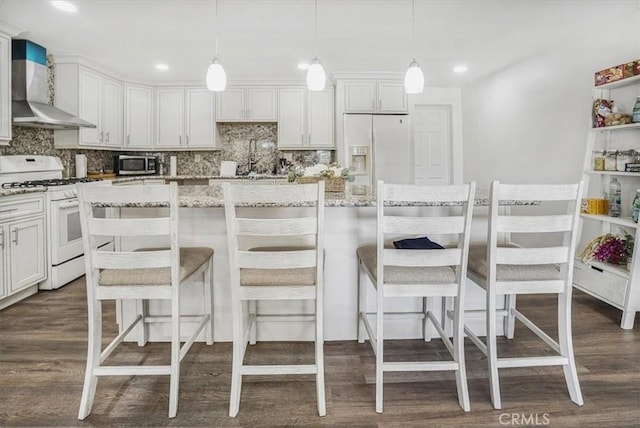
column 612, row 250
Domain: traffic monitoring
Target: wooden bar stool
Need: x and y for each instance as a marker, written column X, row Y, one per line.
column 417, row 273
column 510, row 269
column 139, row 275
column 281, row 272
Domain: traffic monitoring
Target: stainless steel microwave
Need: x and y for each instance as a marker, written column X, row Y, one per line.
column 134, row 165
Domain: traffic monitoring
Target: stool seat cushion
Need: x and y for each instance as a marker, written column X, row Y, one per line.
column 191, row 259
column 478, row 265
column 276, row 277
column 406, row 275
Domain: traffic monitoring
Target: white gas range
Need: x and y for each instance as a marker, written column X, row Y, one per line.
column 65, row 254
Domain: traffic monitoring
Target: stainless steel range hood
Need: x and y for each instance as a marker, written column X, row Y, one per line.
column 29, row 91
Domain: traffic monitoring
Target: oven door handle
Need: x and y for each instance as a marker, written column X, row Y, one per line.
column 69, row 205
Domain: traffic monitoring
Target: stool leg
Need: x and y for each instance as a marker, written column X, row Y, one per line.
column 510, row 318
column 458, row 354
column 238, row 355
column 253, row 328
column 93, row 358
column 362, row 304
column 208, row 299
column 141, row 308
column 174, row 381
column 566, row 348
column 379, row 347
column 426, row 333
column 492, row 349
column 320, row 357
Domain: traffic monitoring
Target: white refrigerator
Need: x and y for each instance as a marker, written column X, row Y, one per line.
column 388, row 139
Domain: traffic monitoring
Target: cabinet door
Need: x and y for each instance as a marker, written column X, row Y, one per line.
column 138, row 116
column 200, row 123
column 111, row 112
column 320, row 124
column 360, row 97
column 230, row 106
column 5, row 90
column 169, row 117
column 291, row 117
column 26, row 253
column 90, row 93
column 392, row 97
column 261, row 104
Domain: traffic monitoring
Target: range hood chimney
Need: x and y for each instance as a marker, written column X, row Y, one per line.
column 29, row 91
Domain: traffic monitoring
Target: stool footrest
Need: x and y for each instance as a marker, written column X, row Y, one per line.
column 280, row 369
column 556, row 360
column 431, row 366
column 132, row 370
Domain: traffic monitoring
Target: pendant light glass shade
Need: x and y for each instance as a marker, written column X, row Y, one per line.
column 316, row 77
column 216, row 77
column 414, row 79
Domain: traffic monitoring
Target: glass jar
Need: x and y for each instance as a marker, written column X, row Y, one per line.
column 623, row 158
column 610, row 160
column 597, row 159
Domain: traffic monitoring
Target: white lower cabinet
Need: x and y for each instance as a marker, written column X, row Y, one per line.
column 22, row 247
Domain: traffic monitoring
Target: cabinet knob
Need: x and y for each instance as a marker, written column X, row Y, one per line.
column 101, row 136
column 1, row 238
column 127, row 139
column 187, row 140
column 107, row 137
column 15, row 236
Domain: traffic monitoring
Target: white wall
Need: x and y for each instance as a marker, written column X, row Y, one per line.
column 528, row 123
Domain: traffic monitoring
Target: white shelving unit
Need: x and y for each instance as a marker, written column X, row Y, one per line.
column 612, row 284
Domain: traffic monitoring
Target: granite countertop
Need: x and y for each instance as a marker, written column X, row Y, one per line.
column 211, row 196
column 22, row 190
column 124, row 179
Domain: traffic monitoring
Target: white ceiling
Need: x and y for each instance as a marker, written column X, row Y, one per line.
column 266, row 39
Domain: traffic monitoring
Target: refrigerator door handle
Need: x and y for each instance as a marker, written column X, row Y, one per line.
column 372, row 144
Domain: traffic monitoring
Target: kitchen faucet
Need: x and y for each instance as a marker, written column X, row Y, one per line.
column 252, row 155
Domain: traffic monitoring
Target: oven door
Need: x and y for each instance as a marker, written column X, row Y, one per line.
column 66, row 233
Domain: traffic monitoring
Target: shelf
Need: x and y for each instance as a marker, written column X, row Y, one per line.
column 629, row 174
column 618, row 270
column 619, row 83
column 621, row 221
column 617, row 127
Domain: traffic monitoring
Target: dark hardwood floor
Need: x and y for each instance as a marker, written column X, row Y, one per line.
column 43, row 351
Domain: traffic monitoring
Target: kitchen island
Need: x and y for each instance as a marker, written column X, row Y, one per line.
column 350, row 221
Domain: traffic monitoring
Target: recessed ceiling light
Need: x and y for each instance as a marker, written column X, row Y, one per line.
column 303, row 66
column 162, row 67
column 460, row 69
column 64, row 6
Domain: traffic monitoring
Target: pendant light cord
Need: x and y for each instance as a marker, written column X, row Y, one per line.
column 316, row 26
column 413, row 27
column 215, row 29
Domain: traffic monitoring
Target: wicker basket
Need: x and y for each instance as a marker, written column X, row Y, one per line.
column 331, row 184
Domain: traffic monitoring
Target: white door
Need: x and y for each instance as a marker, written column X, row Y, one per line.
column 27, row 253
column 89, row 109
column 170, row 117
column 291, row 110
column 432, row 144
column 320, row 124
column 137, row 116
column 200, row 117
column 111, row 112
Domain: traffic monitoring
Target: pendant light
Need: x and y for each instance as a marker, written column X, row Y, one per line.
column 414, row 79
column 316, row 77
column 216, row 77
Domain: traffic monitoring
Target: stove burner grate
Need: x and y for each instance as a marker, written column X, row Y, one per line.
column 47, row 183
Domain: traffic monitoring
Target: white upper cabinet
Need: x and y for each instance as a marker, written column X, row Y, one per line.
column 305, row 118
column 5, row 89
column 200, row 123
column 375, row 96
column 138, row 116
column 247, row 104
column 185, row 118
column 169, row 117
column 94, row 97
